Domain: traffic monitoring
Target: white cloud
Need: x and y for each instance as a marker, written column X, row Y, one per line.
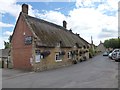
column 52, row 16
column 87, row 19
column 1, row 43
column 10, row 7
column 7, row 33
column 6, row 25
column 91, row 21
column 2, row 39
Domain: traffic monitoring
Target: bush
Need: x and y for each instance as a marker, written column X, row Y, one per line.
column 74, row 62
column 92, row 53
column 45, row 53
column 84, row 57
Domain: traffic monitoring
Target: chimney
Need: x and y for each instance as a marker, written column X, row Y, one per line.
column 100, row 42
column 25, row 8
column 70, row 31
column 64, row 24
column 77, row 34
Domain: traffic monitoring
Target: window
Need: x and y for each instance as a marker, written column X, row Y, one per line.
column 38, row 56
column 58, row 45
column 58, row 57
column 69, row 55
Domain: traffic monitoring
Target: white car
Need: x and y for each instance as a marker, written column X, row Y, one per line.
column 114, row 53
column 110, row 55
column 117, row 59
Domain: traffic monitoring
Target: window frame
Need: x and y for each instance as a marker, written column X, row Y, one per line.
column 38, row 54
column 59, row 56
column 69, row 55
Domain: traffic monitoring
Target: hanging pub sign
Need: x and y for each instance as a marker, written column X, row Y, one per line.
column 28, row 40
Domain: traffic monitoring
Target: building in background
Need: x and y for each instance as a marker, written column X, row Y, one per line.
column 101, row 47
column 4, row 58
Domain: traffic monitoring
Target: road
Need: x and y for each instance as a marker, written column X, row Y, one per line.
column 98, row 72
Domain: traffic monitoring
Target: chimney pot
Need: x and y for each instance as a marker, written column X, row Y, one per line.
column 25, row 8
column 77, row 34
column 64, row 24
column 70, row 30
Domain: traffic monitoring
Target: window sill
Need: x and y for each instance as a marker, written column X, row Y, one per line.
column 58, row 60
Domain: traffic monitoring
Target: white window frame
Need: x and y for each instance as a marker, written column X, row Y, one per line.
column 69, row 55
column 57, row 54
column 38, row 58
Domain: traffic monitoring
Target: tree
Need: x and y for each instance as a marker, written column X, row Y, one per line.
column 8, row 44
column 106, row 43
column 112, row 43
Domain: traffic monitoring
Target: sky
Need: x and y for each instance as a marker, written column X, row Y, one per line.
column 96, row 18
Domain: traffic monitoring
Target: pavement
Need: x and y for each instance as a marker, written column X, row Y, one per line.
column 98, row 72
column 12, row 73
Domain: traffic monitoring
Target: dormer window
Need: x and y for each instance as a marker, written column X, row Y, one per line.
column 59, row 44
column 77, row 45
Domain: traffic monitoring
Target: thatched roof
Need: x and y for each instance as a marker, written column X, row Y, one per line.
column 50, row 34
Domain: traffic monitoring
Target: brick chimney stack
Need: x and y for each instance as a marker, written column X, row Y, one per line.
column 64, row 24
column 25, row 8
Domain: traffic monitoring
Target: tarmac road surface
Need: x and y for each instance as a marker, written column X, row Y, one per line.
column 98, row 72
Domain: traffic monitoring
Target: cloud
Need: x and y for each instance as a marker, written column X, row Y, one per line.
column 4, row 37
column 57, row 9
column 6, row 25
column 110, row 31
column 107, row 33
column 1, row 43
column 88, row 18
column 7, row 33
column 52, row 16
column 10, row 7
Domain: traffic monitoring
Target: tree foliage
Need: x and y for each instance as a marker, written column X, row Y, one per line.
column 112, row 43
column 8, row 44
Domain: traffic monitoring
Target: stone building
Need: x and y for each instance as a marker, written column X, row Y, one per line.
column 40, row 45
column 4, row 57
column 101, row 47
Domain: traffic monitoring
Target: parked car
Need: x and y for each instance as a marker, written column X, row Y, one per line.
column 117, row 59
column 110, row 55
column 105, row 53
column 114, row 53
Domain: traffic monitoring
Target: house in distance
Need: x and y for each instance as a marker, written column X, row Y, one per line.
column 40, row 45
